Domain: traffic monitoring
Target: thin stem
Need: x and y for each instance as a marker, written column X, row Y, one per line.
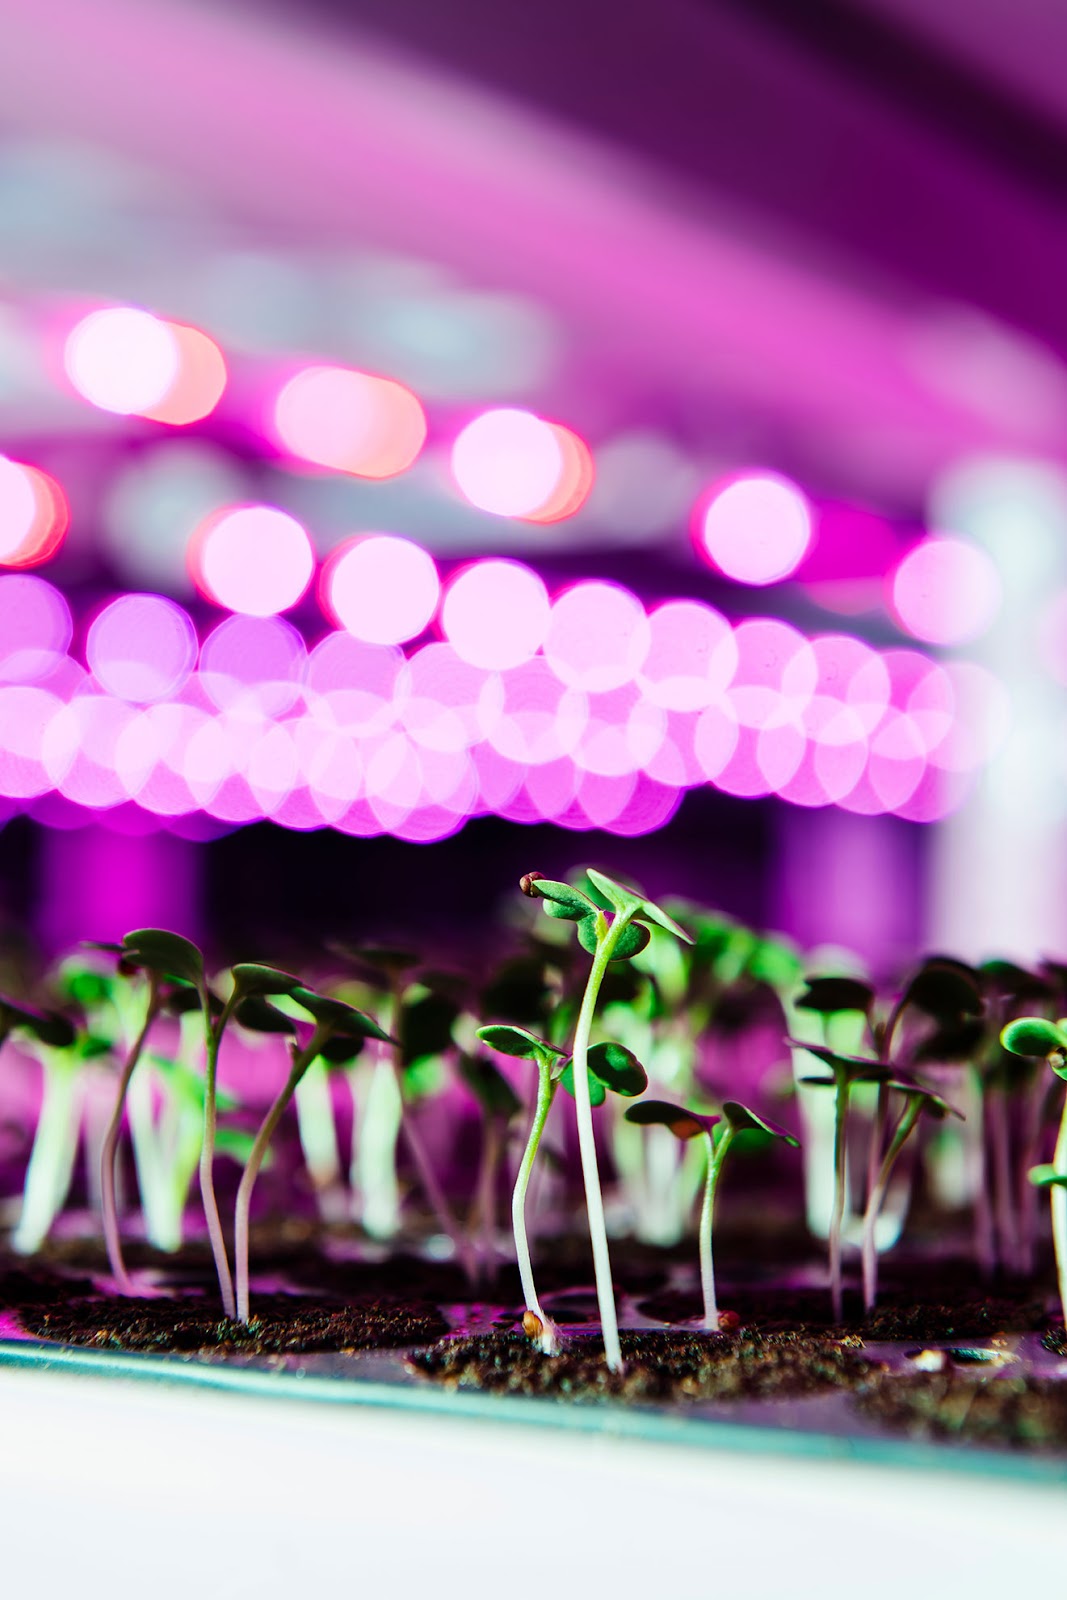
column 318, row 1140
column 483, row 1211
column 876, row 1199
column 548, row 1337
column 109, row 1152
column 1058, row 1203
column 52, row 1158
column 707, row 1214
column 877, row 1139
column 594, row 1203
column 376, row 1107
column 1003, row 1197
column 985, row 1247
column 214, row 1031
column 301, row 1060
column 837, row 1216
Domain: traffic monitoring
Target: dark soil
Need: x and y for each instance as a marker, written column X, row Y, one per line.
column 658, row 1366
column 1056, row 1340
column 808, row 1310
column 280, row 1324
column 1021, row 1412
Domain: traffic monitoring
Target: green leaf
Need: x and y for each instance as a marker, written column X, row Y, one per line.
column 661, row 1113
column 166, row 953
column 623, row 900
column 829, row 995
column 1046, row 1177
column 342, row 1049
column 518, row 991
column 237, row 1144
column 631, row 941
column 617, row 1068
column 49, row 1027
column 340, row 1016
column 933, row 1103
column 946, row 990
column 252, row 978
column 561, row 900
column 651, row 912
column 742, row 1120
column 492, row 1090
column 511, row 1040
column 259, row 1016
column 775, row 963
column 853, row 1069
column 597, row 1092
column 1010, row 981
column 425, row 1027
column 1033, row 1036
column 956, row 1042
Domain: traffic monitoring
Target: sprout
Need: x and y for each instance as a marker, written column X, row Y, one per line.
column 606, row 938
column 917, row 1099
column 609, row 1066
column 1037, row 1036
column 51, row 1163
column 333, row 1019
column 718, row 1134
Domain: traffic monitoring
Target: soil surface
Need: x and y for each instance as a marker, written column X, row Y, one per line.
column 808, row 1310
column 280, row 1324
column 658, row 1366
column 969, row 1405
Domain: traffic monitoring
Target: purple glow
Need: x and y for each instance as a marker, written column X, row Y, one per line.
column 446, row 701
column 25, row 714
column 141, row 648
column 508, row 462
column 351, row 421
column 756, row 530
column 495, row 614
column 122, row 360
column 253, row 663
column 540, row 719
column 598, row 637
column 623, row 733
column 80, row 749
column 35, row 628
column 946, row 591
column 381, row 588
column 692, row 656
column 252, row 559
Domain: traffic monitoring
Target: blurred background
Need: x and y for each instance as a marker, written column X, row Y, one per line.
column 439, row 442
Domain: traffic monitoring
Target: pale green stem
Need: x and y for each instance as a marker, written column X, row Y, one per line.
column 594, row 1203
column 214, row 1032
column 375, row 1130
column 707, row 1217
column 877, row 1139
column 841, row 1090
column 876, row 1199
column 302, row 1059
column 150, row 1159
column 318, row 1139
column 1058, row 1203
column 439, row 1205
column 109, row 1153
column 52, row 1158
column 548, row 1338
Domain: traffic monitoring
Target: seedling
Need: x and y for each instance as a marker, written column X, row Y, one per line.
column 55, row 1141
column 169, row 955
column 917, row 1100
column 617, row 937
column 333, row 1020
column 1037, row 1036
column 609, row 1066
column 717, row 1134
column 499, row 1105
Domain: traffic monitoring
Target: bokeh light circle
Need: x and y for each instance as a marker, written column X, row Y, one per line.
column 509, row 462
column 946, row 591
column 253, row 666
column 380, row 588
column 756, row 529
column 353, row 422
column 141, row 647
column 198, row 384
column 598, row 636
column 35, row 628
column 495, row 614
column 253, row 559
column 122, row 359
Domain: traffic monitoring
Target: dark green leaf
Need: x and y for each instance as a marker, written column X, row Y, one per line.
column 617, row 1068
column 252, row 978
column 259, row 1016
column 49, row 1027
column 946, row 990
column 620, row 898
column 933, row 1103
column 514, row 1041
column 425, row 1027
column 853, row 1069
column 342, row 1049
column 493, row 1091
column 339, row 1016
column 957, row 1042
column 1009, row 981
column 166, row 953
column 1033, row 1036
column 561, row 900
column 597, row 1092
column 829, row 995
column 741, row 1119
column 661, row 1113
column 518, row 991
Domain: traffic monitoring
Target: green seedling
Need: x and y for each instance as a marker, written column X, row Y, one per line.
column 617, row 936
column 499, row 1106
column 845, row 1071
column 1038, row 1037
column 609, row 1067
column 917, row 1100
column 62, row 1054
column 333, row 1020
column 717, row 1135
column 169, row 955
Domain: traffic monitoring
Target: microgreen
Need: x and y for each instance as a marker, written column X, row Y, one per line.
column 717, row 1134
column 606, row 939
column 1036, row 1036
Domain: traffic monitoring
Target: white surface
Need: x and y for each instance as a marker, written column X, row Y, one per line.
column 115, row 1488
